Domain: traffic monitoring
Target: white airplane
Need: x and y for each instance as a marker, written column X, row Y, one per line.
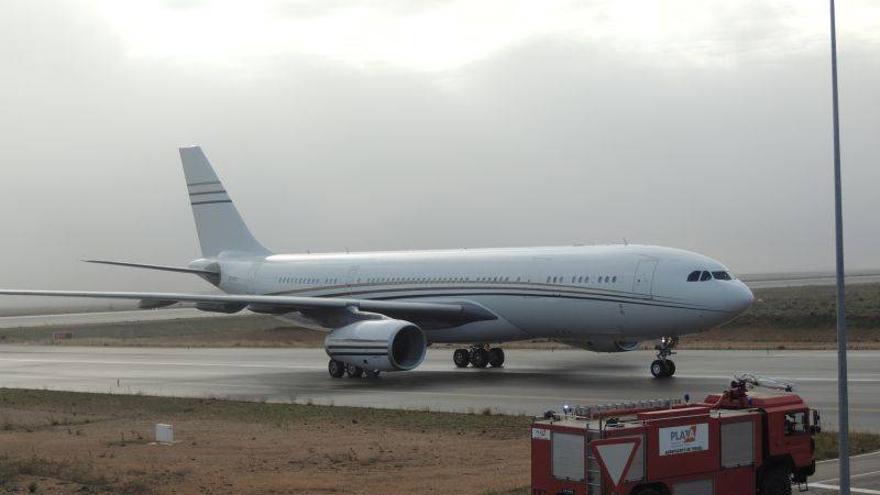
column 381, row 310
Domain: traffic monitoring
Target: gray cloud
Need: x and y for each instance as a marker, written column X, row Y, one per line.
column 550, row 140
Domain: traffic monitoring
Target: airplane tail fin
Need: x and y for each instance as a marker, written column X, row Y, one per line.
column 218, row 223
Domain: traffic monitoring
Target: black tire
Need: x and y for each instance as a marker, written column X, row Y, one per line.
column 670, row 367
column 658, row 369
column 461, row 358
column 354, row 371
column 776, row 480
column 372, row 374
column 336, row 368
column 648, row 491
column 496, row 357
column 480, row 358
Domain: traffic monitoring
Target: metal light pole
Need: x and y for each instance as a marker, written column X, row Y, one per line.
column 842, row 389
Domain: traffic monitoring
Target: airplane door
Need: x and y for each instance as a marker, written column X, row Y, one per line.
column 351, row 276
column 644, row 277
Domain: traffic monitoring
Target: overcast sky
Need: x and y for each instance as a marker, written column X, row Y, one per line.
column 698, row 124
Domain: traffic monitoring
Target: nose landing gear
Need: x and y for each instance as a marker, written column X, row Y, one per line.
column 663, row 367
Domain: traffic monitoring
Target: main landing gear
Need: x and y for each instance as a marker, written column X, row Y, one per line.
column 337, row 369
column 479, row 356
column 663, row 367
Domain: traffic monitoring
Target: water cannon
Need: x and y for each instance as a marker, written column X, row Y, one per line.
column 749, row 381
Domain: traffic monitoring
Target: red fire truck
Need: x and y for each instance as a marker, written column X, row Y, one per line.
column 735, row 443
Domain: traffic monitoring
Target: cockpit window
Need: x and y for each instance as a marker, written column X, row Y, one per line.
column 705, row 276
column 722, row 275
column 694, row 276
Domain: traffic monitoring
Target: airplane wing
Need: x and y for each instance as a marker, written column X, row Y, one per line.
column 331, row 312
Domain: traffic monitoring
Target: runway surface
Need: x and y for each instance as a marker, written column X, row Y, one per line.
column 864, row 476
column 531, row 382
column 767, row 281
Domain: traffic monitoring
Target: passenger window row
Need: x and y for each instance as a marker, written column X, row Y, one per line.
column 437, row 280
column 704, row 275
column 574, row 279
column 580, row 279
column 306, row 281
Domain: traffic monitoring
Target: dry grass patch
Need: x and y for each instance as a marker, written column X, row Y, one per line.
column 859, row 443
column 233, row 447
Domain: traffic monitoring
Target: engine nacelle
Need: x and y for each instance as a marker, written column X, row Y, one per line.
column 612, row 345
column 380, row 345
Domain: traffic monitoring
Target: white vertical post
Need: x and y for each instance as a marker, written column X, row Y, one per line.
column 842, row 388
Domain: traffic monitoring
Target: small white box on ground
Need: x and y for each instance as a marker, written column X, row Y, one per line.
column 164, row 433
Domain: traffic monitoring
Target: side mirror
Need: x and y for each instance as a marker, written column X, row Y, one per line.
column 817, row 422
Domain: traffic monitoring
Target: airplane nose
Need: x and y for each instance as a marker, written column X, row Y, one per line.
column 742, row 298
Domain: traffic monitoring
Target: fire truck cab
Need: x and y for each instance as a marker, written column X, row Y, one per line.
column 733, row 443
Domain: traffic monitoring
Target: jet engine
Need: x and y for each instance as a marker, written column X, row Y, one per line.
column 380, row 345
column 611, row 345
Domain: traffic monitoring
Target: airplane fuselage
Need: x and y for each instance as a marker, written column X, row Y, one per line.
column 598, row 296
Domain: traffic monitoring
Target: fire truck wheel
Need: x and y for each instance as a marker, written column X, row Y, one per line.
column 496, row 357
column 648, row 491
column 336, row 368
column 354, row 371
column 461, row 358
column 776, row 481
column 480, row 358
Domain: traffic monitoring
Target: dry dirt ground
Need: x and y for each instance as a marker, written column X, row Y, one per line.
column 782, row 318
column 57, row 442
column 65, row 443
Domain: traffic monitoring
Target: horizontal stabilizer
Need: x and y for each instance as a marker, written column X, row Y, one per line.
column 210, row 275
column 164, row 268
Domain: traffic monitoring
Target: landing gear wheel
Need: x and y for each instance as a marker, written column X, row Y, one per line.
column 496, row 357
column 336, row 368
column 480, row 358
column 776, row 481
column 658, row 369
column 372, row 374
column 663, row 367
column 461, row 358
column 354, row 371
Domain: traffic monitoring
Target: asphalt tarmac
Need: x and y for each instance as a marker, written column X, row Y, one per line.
column 531, row 382
column 864, row 476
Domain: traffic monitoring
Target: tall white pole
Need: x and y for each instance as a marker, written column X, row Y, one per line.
column 842, row 389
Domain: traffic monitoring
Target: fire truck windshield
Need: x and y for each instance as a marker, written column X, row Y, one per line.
column 795, row 423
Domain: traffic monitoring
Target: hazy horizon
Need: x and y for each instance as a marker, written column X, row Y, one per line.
column 382, row 126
